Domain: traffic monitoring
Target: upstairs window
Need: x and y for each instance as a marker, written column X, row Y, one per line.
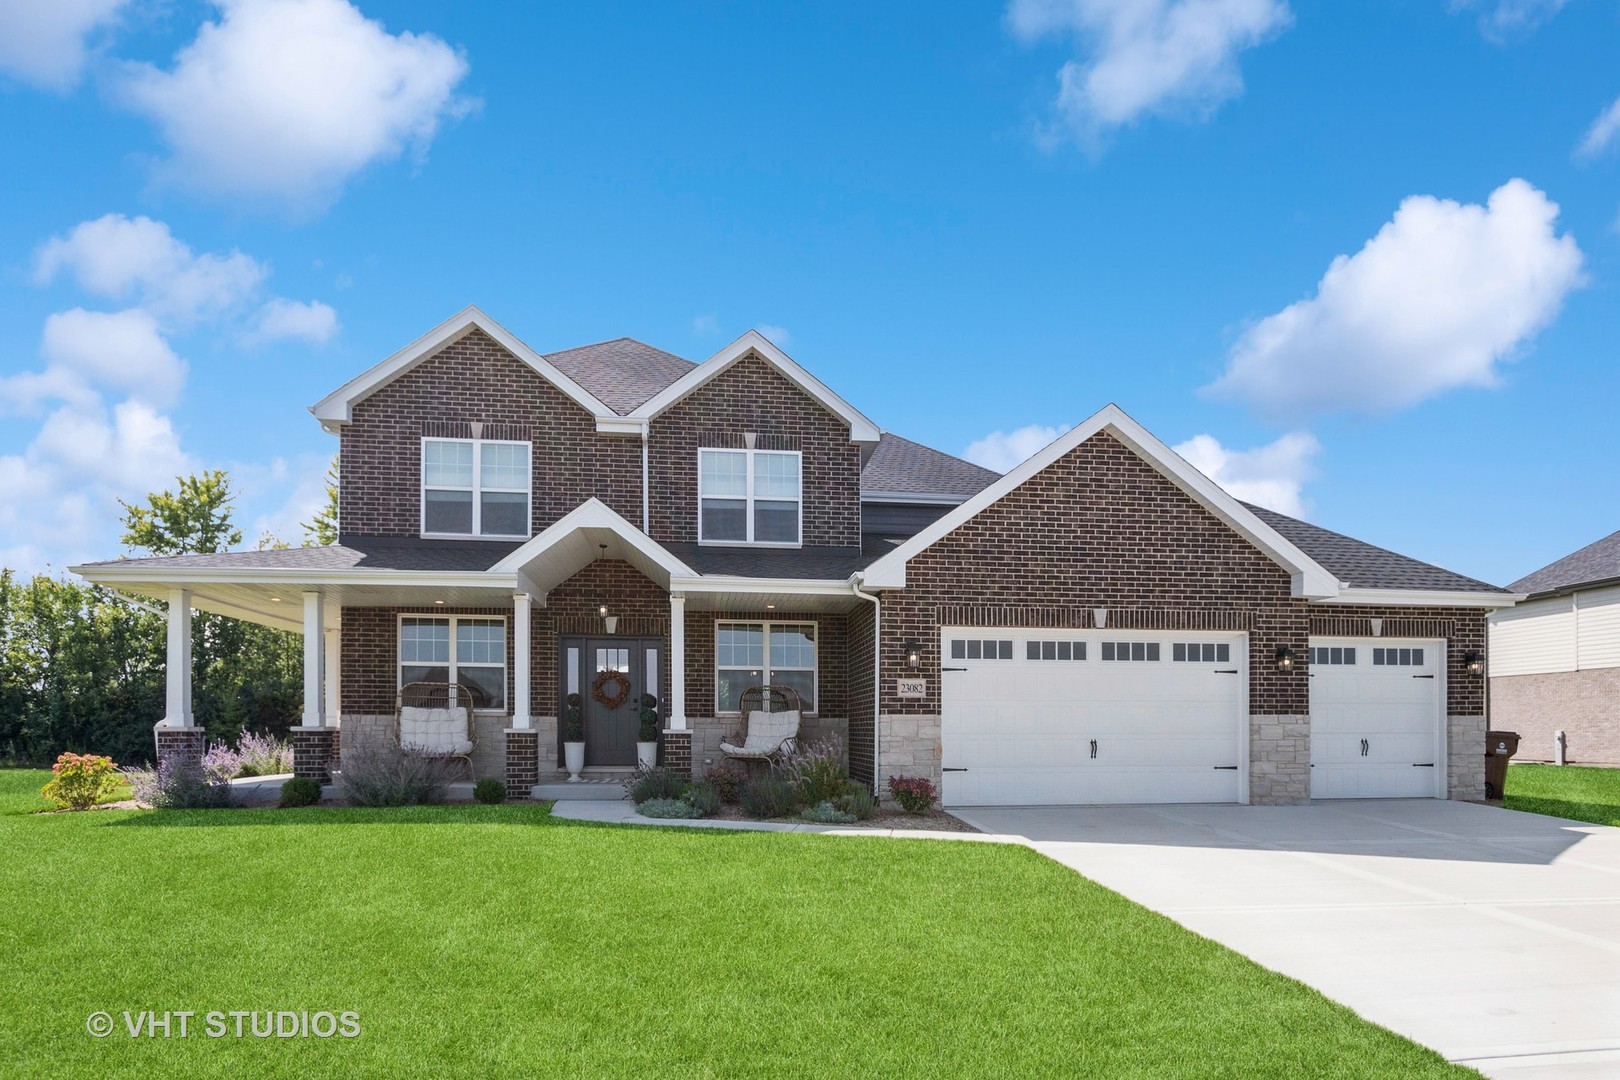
column 749, row 497
column 475, row 487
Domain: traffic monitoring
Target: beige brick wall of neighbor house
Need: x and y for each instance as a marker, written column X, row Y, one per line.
column 1584, row 705
column 1279, row 760
column 907, row 746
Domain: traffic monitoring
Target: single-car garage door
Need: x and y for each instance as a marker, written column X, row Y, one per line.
column 1376, row 718
column 1055, row 717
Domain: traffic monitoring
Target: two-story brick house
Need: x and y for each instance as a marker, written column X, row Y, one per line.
column 1101, row 624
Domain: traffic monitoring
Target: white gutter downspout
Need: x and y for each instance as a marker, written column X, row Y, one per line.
column 877, row 671
column 646, row 514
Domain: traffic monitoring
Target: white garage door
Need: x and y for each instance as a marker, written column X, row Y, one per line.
column 1044, row 717
column 1376, row 718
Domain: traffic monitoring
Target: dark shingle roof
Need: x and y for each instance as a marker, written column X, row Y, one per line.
column 902, row 465
column 1361, row 564
column 1597, row 561
column 351, row 553
column 814, row 563
column 623, row 373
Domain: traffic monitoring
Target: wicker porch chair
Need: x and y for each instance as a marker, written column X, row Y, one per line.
column 436, row 719
column 772, row 714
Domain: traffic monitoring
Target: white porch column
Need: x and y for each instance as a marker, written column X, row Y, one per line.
column 521, row 625
column 677, row 661
column 314, row 646
column 332, row 633
column 177, row 699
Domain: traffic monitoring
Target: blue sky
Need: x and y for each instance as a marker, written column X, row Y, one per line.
column 970, row 220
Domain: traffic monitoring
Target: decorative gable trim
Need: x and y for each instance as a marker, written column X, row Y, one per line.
column 337, row 408
column 1310, row 579
column 861, row 430
column 576, row 539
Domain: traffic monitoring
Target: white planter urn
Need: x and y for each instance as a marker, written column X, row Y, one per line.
column 573, row 760
column 647, row 754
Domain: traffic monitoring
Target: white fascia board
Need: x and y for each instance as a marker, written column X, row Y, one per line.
column 620, row 425
column 336, row 408
column 715, row 583
column 861, row 430
column 1424, row 598
column 113, row 573
column 593, row 513
column 920, row 498
column 1309, row 578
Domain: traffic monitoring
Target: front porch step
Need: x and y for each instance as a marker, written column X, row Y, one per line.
column 605, row 788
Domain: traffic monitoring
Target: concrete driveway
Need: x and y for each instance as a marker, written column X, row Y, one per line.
column 1490, row 935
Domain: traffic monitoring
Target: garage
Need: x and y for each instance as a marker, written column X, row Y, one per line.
column 1064, row 717
column 1377, row 718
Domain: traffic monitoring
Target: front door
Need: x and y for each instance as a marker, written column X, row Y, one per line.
column 610, row 729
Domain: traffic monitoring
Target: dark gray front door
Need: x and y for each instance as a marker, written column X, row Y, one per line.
column 610, row 732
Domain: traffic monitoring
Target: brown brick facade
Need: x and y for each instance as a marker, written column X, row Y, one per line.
column 474, row 380
column 370, row 653
column 750, row 396
column 861, row 625
column 832, row 657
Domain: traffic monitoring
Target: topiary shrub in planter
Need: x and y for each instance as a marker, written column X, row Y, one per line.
column 768, row 797
column 300, row 791
column 668, row 808
column 702, row 797
column 828, row 814
column 915, row 794
column 79, row 781
column 658, row 782
column 489, row 790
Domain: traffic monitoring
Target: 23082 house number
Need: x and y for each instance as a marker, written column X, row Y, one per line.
column 911, row 688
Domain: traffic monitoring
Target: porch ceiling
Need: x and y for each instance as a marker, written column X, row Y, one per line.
column 280, row 604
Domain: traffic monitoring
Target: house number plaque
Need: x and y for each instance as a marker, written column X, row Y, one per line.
column 912, row 688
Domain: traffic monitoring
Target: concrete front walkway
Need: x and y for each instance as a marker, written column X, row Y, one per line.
column 1490, row 935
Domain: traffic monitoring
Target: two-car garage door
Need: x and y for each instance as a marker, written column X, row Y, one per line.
column 1043, row 717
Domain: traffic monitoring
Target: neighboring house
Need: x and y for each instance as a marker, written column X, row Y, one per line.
column 1101, row 624
column 1555, row 659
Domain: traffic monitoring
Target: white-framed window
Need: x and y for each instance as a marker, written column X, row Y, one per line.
column 750, row 497
column 1396, row 657
column 981, row 649
column 456, row 649
column 756, row 653
column 476, row 487
column 1336, row 655
column 1139, row 651
column 1200, row 652
column 1054, row 650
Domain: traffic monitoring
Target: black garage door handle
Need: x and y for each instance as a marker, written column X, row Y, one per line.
column 949, row 769
column 1233, row 768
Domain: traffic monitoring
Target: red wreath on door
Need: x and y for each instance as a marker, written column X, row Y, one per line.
column 599, row 689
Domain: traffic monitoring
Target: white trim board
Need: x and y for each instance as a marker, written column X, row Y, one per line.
column 1310, row 579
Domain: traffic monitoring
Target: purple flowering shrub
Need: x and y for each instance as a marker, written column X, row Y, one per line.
column 179, row 784
column 253, row 755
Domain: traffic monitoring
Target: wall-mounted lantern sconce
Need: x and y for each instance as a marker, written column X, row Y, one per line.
column 1474, row 663
column 1285, row 659
column 913, row 654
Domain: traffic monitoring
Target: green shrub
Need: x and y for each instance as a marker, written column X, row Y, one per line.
column 858, row 801
column 828, row 814
column 389, row 777
column 79, row 781
column 658, row 782
column 489, row 790
column 649, row 718
column 668, row 808
column 817, row 771
column 574, row 719
column 915, row 794
column 728, row 779
column 301, row 791
column 768, row 797
column 703, row 797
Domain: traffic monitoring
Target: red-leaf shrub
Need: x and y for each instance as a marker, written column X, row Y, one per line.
column 915, row 794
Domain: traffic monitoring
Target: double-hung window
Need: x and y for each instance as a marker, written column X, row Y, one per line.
column 475, row 487
column 749, row 497
column 755, row 654
column 455, row 650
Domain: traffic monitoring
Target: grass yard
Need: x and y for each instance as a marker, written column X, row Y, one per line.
column 496, row 941
column 1570, row 791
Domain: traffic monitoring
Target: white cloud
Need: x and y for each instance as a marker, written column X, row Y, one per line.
column 1443, row 292
column 1002, row 450
column 707, row 325
column 117, row 258
column 1601, row 135
column 121, row 350
column 776, row 335
column 280, row 320
column 1270, row 475
column 1147, row 57
column 1502, row 20
column 285, row 100
column 44, row 42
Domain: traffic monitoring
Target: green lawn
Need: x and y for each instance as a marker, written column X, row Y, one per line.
column 495, row 941
column 1570, row 791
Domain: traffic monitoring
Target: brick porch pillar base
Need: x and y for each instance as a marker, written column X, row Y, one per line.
column 678, row 750
column 314, row 749
column 522, row 761
column 180, row 744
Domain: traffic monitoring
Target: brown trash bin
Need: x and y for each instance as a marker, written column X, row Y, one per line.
column 1499, row 747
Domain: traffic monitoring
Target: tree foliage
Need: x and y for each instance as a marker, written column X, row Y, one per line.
column 322, row 529
column 82, row 668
